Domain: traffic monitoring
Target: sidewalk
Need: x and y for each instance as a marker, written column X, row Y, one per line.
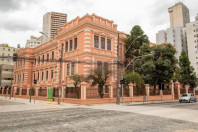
column 64, row 104
column 24, row 104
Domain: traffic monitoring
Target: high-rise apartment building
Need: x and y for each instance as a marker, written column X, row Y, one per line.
column 6, row 51
column 192, row 39
column 179, row 15
column 52, row 21
column 175, row 36
column 33, row 42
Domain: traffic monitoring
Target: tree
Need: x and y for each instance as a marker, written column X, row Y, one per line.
column 77, row 80
column 133, row 43
column 187, row 74
column 100, row 76
column 155, row 72
column 133, row 77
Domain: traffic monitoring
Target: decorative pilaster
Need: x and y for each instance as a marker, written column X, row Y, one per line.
column 187, row 88
column 131, row 89
column 147, row 90
column 110, row 90
column 177, row 84
column 63, row 92
column 36, row 92
column 83, row 90
column 28, row 91
column 3, row 90
column 171, row 85
column 194, row 91
column 20, row 92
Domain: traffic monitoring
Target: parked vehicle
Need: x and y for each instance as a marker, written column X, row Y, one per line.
column 187, row 97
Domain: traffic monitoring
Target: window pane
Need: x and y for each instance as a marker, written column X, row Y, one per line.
column 51, row 74
column 96, row 41
column 47, row 57
column 72, row 69
column 71, row 45
column 52, row 55
column 102, row 43
column 66, row 46
column 106, row 66
column 46, row 75
column 68, row 69
column 99, row 65
column 108, row 44
column 75, row 43
column 106, row 89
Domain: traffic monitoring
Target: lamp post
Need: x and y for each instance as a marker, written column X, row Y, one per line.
column 60, row 71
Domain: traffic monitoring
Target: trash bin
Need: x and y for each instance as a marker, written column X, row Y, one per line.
column 50, row 93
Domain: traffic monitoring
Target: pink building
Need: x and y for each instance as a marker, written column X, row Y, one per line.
column 87, row 42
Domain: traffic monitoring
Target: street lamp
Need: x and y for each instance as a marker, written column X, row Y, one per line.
column 131, row 44
column 60, row 71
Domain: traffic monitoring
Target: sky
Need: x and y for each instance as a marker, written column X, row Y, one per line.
column 19, row 19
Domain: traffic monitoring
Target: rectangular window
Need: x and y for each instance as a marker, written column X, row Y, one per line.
column 68, row 69
column 52, row 55
column 72, row 68
column 71, row 45
column 23, row 76
column 66, row 46
column 46, row 75
column 109, row 44
column 99, row 65
column 38, row 59
column 75, row 43
column 35, row 61
column 106, row 89
column 51, row 74
column 34, row 76
column 38, row 77
column 102, row 43
column 43, row 58
column 96, row 41
column 106, row 66
column 47, row 57
column 42, row 75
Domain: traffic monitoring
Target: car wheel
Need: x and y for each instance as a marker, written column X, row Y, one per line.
column 189, row 101
column 180, row 101
column 195, row 100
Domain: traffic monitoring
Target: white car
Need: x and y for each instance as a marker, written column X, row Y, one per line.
column 187, row 97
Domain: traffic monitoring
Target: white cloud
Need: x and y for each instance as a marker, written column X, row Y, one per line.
column 24, row 18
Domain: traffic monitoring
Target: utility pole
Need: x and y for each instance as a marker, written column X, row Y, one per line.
column 118, row 73
column 60, row 74
column 30, row 91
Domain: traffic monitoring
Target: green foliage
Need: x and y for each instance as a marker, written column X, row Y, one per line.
column 157, row 71
column 133, row 43
column 134, row 77
column 77, row 80
column 99, row 76
column 186, row 74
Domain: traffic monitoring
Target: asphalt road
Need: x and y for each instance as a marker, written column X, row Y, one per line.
column 88, row 120
column 193, row 105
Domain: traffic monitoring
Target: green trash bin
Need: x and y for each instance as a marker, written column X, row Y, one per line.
column 50, row 93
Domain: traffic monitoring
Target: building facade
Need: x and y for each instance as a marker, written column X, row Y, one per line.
column 7, row 51
column 52, row 21
column 6, row 75
column 179, row 15
column 33, row 42
column 192, row 38
column 175, row 36
column 86, row 42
